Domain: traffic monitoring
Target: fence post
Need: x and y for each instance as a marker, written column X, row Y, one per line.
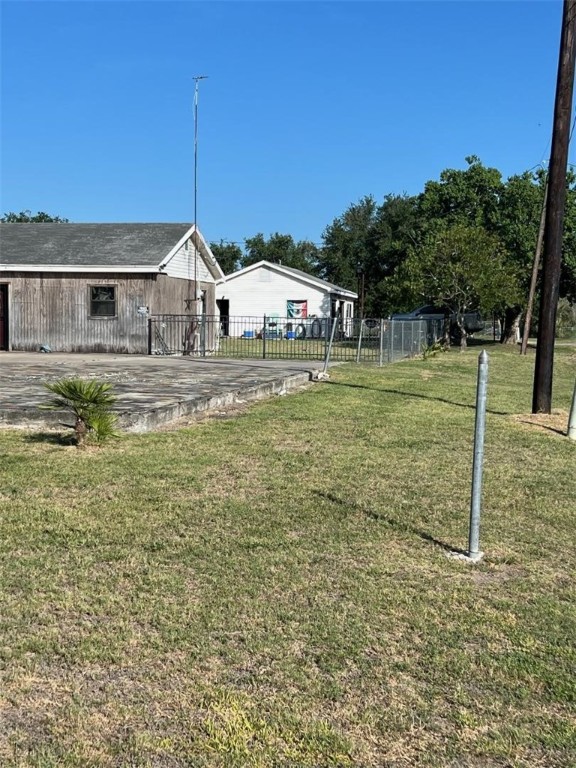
column 359, row 340
column 572, row 417
column 264, row 339
column 391, row 341
column 203, row 335
column 149, row 335
column 381, row 357
column 479, row 429
column 329, row 350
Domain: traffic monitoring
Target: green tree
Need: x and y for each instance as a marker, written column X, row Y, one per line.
column 281, row 249
column 347, row 243
column 470, row 196
column 568, row 266
column 26, row 217
column 521, row 203
column 478, row 197
column 396, row 232
column 369, row 243
column 520, row 212
column 228, row 255
column 364, row 246
column 461, row 268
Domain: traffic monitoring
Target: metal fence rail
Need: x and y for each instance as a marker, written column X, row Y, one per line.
column 371, row 340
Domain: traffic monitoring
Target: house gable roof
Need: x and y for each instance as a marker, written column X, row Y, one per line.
column 298, row 273
column 104, row 247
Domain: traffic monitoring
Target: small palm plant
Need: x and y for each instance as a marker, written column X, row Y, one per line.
column 90, row 403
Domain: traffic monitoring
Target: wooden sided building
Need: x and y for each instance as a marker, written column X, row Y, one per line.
column 94, row 287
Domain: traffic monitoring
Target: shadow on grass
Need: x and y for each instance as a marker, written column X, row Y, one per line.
column 417, row 396
column 478, row 342
column 557, row 431
column 397, row 525
column 53, row 438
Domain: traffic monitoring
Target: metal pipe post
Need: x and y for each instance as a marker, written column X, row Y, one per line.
column 475, row 505
column 203, row 335
column 381, row 358
column 264, row 339
column 359, row 341
column 572, row 417
column 329, row 350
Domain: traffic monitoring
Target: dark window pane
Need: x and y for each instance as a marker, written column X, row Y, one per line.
column 103, row 300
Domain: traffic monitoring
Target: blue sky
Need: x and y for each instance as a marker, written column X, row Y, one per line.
column 308, row 106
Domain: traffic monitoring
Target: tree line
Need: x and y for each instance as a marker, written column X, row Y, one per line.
column 467, row 241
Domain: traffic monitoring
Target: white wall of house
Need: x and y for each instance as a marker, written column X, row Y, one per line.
column 187, row 263
column 264, row 291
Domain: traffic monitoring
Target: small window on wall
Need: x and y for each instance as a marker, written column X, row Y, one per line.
column 297, row 309
column 102, row 300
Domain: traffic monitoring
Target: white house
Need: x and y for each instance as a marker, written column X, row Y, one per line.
column 274, row 291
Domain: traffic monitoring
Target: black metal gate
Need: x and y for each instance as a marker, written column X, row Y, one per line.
column 272, row 337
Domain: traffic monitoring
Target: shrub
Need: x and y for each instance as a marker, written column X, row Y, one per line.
column 90, row 403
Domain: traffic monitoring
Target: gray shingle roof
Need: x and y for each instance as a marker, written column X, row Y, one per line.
column 113, row 245
column 331, row 287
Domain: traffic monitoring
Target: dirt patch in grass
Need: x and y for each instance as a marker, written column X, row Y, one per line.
column 555, row 422
column 497, row 573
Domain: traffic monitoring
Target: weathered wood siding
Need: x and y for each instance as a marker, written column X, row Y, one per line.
column 54, row 309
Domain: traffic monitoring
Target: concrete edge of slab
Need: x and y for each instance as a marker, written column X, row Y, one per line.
column 147, row 420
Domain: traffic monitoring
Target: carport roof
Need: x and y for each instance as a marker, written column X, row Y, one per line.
column 87, row 245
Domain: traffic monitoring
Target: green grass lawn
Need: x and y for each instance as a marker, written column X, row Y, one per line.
column 272, row 589
column 310, row 348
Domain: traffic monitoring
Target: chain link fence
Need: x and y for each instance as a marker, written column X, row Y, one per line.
column 371, row 340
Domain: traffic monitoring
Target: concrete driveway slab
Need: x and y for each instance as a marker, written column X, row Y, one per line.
column 151, row 391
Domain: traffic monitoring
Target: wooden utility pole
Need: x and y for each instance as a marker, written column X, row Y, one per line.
column 554, row 227
column 535, row 269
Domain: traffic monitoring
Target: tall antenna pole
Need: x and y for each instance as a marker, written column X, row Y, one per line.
column 196, row 294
